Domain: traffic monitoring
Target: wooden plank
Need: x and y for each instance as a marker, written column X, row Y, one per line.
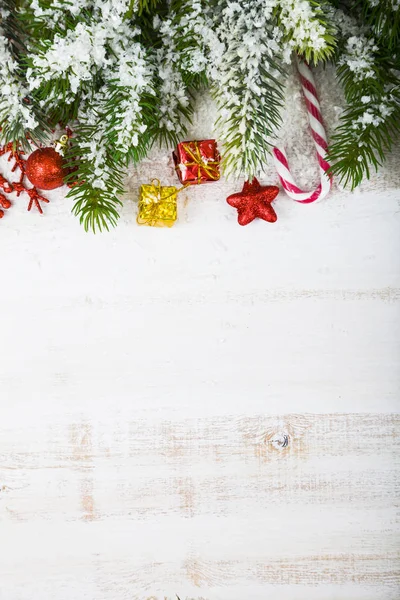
column 297, row 501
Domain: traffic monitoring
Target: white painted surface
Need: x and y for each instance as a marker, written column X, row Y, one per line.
column 209, row 411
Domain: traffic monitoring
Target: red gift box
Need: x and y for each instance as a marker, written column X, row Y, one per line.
column 197, row 162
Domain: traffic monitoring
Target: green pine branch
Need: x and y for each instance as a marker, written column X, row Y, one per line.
column 99, row 187
column 54, row 95
column 172, row 45
column 384, row 19
column 96, row 207
column 12, row 126
column 247, row 144
column 300, row 31
column 370, row 124
column 141, row 7
column 353, row 152
column 185, row 22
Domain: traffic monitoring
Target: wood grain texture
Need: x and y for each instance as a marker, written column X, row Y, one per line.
column 223, row 505
column 221, row 424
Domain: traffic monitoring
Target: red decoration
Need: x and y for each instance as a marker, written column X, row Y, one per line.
column 5, row 185
column 254, row 201
column 197, row 162
column 18, row 186
column 45, row 169
column 4, row 203
column 34, row 197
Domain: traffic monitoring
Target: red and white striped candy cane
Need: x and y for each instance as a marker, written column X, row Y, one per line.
column 320, row 141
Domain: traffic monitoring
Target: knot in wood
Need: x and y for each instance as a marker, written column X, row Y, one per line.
column 280, row 440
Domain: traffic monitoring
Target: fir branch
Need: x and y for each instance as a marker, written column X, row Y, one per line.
column 384, row 19
column 175, row 83
column 246, row 126
column 173, row 112
column 115, row 131
column 307, row 29
column 20, row 116
column 247, row 84
column 96, row 185
column 371, row 122
column 140, row 7
column 96, row 209
column 56, row 56
column 368, row 129
column 190, row 29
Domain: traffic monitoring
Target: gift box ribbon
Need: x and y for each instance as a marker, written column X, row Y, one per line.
column 209, row 167
column 153, row 208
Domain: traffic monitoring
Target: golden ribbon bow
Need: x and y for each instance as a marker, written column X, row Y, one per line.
column 209, row 167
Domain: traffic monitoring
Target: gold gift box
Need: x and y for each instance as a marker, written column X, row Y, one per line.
column 157, row 205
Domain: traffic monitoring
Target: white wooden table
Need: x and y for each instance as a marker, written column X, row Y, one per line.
column 208, row 411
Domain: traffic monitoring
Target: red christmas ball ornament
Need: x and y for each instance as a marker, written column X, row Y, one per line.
column 45, row 169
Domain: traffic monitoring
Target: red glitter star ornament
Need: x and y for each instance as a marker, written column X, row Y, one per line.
column 254, row 201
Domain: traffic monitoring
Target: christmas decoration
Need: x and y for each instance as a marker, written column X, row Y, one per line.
column 197, row 162
column 15, row 154
column 17, row 186
column 320, row 141
column 254, row 201
column 157, row 205
column 4, row 203
column 5, row 185
column 34, row 197
column 127, row 74
column 45, row 169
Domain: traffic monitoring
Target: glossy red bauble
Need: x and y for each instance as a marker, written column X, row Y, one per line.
column 45, row 169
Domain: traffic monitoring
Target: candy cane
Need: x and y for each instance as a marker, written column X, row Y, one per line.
column 320, row 141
